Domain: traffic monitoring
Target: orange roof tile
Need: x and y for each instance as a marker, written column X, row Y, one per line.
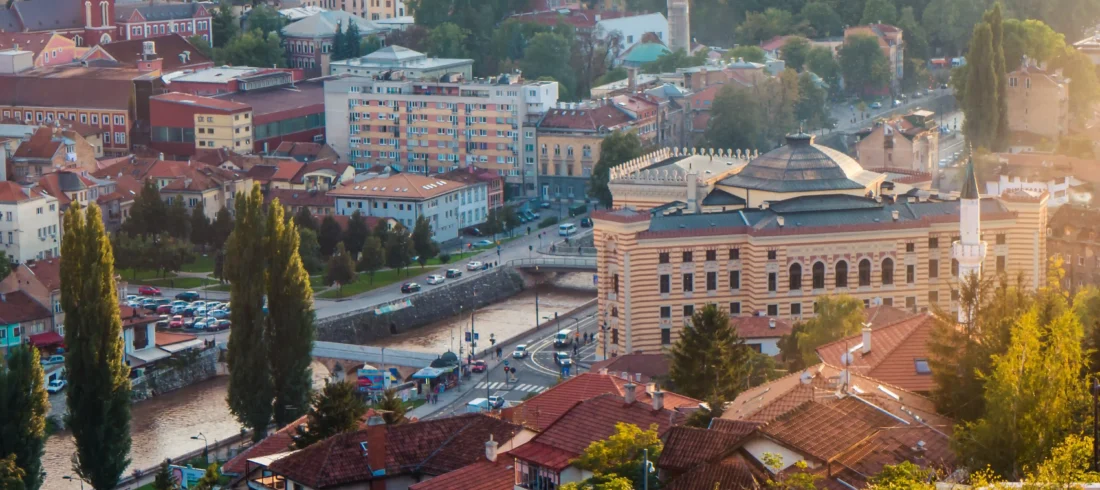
column 895, row 349
column 41, row 144
column 824, row 430
column 402, row 185
column 648, row 365
column 278, row 442
column 546, row 407
column 168, row 338
column 736, row 471
column 483, row 475
column 48, row 271
column 687, row 447
column 12, row 192
column 18, row 307
column 760, row 327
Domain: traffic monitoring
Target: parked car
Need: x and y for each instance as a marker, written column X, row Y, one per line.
column 148, row 291
column 56, row 386
column 473, row 266
column 188, row 296
column 188, row 312
column 189, row 321
column 133, row 304
column 473, row 231
column 478, row 366
column 162, row 322
column 223, row 325
column 544, row 204
column 453, row 273
column 435, row 279
column 496, row 401
column 149, row 304
column 219, row 313
column 133, row 297
column 198, row 304
column 164, row 301
column 199, row 325
column 586, row 222
column 177, row 310
column 897, row 103
column 164, row 309
column 53, row 360
column 520, row 352
column 176, row 322
column 410, row 287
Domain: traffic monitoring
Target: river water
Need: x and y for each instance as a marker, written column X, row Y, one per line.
column 162, row 427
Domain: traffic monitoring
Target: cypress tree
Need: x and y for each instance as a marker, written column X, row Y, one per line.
column 99, row 385
column 339, row 45
column 980, row 104
column 996, row 26
column 329, row 236
column 290, row 320
column 24, row 403
column 250, row 383
column 351, row 38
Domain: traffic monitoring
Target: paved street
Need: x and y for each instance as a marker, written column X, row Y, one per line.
column 938, row 101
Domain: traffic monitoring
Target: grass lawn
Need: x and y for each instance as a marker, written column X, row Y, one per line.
column 455, row 258
column 381, row 278
column 317, row 282
column 182, row 282
column 142, row 275
column 204, row 263
column 220, row 287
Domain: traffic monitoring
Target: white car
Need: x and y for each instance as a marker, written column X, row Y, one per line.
column 473, row 266
column 520, row 352
column 56, row 386
column 435, row 279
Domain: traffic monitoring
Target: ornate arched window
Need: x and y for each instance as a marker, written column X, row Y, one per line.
column 586, row 151
column 544, row 148
column 864, row 272
column 819, row 275
column 887, row 271
column 842, row 274
column 569, row 151
column 105, row 39
column 105, row 19
column 557, row 150
column 795, row 278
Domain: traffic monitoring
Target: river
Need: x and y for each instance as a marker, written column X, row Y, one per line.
column 162, row 427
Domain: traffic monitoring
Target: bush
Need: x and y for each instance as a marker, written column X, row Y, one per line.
column 53, row 425
column 578, row 209
column 444, row 258
column 551, row 221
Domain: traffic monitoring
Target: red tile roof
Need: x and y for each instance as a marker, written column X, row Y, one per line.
column 589, row 421
column 12, row 192
column 826, row 429
column 774, row 43
column 48, row 272
column 168, row 47
column 483, row 475
column 305, row 151
column 585, row 119
column 35, row 90
column 648, row 365
column 295, row 197
column 42, row 144
column 278, row 442
column 894, row 352
column 736, row 471
column 34, row 42
column 545, row 408
column 169, row 338
column 18, row 307
column 687, row 447
column 402, row 185
column 55, row 184
column 319, row 166
column 760, row 327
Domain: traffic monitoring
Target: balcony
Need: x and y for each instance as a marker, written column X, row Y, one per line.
column 959, row 251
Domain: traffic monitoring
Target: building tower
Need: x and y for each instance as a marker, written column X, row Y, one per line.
column 679, row 26
column 969, row 250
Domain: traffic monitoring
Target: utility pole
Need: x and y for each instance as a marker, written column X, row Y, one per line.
column 537, row 297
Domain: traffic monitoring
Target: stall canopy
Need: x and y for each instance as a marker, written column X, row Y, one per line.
column 142, row 357
column 178, row 346
column 46, row 339
column 430, row 373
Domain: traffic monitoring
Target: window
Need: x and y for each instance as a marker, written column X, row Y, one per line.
column 910, row 247
column 771, row 282
column 735, row 254
column 933, row 268
column 796, row 309
column 689, row 310
column 662, row 258
column 712, row 281
column 689, row 282
column 910, row 274
column 615, row 283
column 666, row 336
column 687, row 256
column 911, row 303
column 933, row 242
column 842, row 274
column 712, row 255
column 664, row 280
column 1000, row 264
column 819, row 275
column 771, row 254
column 615, row 336
column 887, row 271
column 933, row 297
column 864, row 272
column 795, row 277
column 1001, row 239
column 773, row 310
column 921, row 366
column 735, row 308
column 735, row 279
column 666, row 312
column 954, row 268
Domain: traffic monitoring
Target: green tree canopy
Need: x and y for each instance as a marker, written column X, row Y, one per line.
column 335, row 409
column 754, row 54
column 357, row 233
column 821, row 62
column 11, row 475
column 392, row 408
column 762, row 26
column 794, row 52
column 265, row 19
column 879, row 12
column 822, row 18
column 341, row 267
column 669, row 62
column 305, row 220
column 548, row 55
column 24, row 402
column 447, row 40
column 709, row 360
column 837, row 317
column 422, row 241
column 329, row 236
column 616, row 148
column 620, row 455
column 310, row 251
column 252, row 48
column 372, row 259
column 980, row 104
column 224, row 24
column 863, row 65
column 164, row 480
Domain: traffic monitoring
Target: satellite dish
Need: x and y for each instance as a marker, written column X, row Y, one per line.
column 847, row 359
column 806, row 377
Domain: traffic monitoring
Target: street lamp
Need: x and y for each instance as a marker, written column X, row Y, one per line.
column 537, row 295
column 205, row 447
column 70, row 478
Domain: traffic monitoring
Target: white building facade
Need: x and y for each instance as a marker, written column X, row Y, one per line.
column 633, row 28
column 30, row 227
column 406, row 197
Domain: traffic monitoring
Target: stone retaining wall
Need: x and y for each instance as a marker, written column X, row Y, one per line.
column 166, row 379
column 439, row 303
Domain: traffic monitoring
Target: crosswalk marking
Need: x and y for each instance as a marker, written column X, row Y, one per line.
column 530, row 388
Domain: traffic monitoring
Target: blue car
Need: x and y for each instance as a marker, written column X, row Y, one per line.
column 219, row 314
column 199, row 325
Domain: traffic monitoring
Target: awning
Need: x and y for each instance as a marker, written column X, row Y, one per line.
column 46, row 339
column 145, row 356
column 430, row 373
column 178, row 346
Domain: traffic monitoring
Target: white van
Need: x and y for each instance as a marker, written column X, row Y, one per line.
column 564, row 338
column 567, row 229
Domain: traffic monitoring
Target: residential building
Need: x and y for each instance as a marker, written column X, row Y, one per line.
column 785, row 227
column 71, row 186
column 627, row 26
column 1068, row 180
column 116, row 204
column 51, row 149
column 195, row 182
column 305, row 152
column 30, row 229
column 1074, row 238
column 293, row 112
column 183, row 124
column 41, row 280
column 641, row 368
column 423, row 127
column 414, row 65
column 1038, row 101
column 761, row 333
column 569, row 139
column 139, row 337
column 308, row 41
column 106, row 22
column 448, row 205
column 21, row 318
column 473, row 177
column 896, row 353
column 229, row 79
column 911, row 142
column 367, row 9
column 315, row 201
column 47, row 48
column 287, row 173
column 173, row 50
column 890, row 39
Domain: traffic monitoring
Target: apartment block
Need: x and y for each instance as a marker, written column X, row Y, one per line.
column 448, row 205
column 183, row 123
column 1038, row 101
column 30, row 227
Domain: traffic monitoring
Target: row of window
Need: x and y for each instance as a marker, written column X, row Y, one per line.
column 735, row 253
column 40, row 116
column 586, row 150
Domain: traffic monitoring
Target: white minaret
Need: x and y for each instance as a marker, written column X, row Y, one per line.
column 679, row 26
column 970, row 249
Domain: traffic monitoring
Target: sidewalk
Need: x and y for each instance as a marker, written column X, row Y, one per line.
column 449, row 397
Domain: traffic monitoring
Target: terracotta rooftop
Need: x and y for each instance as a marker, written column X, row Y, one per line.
column 899, row 353
column 739, row 470
column 169, row 338
column 687, row 447
column 34, row 42
column 760, row 327
column 48, row 272
column 59, row 184
column 585, row 119
column 482, row 475
column 12, row 192
column 43, row 144
column 648, row 365
column 305, row 152
column 295, row 198
column 169, row 48
column 824, row 430
column 42, row 90
column 325, row 165
column 19, row 307
column 545, row 408
column 278, row 442
column 402, row 185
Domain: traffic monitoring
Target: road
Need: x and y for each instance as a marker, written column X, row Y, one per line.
column 937, row 102
column 535, row 374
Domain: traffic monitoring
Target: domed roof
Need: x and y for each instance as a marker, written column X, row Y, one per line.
column 802, row 166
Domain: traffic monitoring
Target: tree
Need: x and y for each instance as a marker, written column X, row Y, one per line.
column 763, row 26
column 903, row 476
column 430, row 13
column 708, row 360
column 352, row 39
column 357, row 233
column 329, row 236
column 863, row 65
column 1031, row 38
column 147, row 213
column 209, row 479
column 339, row 48
column 447, row 40
column 99, row 383
column 305, row 220
column 916, row 51
column 12, row 477
column 822, row 18
column 616, row 148
column 177, row 213
column 735, row 120
column 794, row 478
column 164, row 480
column 336, row 409
column 620, row 455
column 1084, row 90
column 265, row 19
column 290, row 330
column 879, row 12
column 5, row 264
column 821, row 62
column 794, row 52
column 221, row 228
column 382, row 231
column 369, row 44
column 670, row 62
column 372, row 259
column 425, row 247
column 310, row 251
column 250, row 384
column 341, row 267
column 949, row 23
column 980, row 105
column 548, row 55
column 202, row 45
column 200, row 226
column 837, row 317
column 252, row 48
column 398, row 249
column 1000, row 130
column 24, row 402
column 811, row 107
column 753, row 54
column 392, row 408
column 224, row 25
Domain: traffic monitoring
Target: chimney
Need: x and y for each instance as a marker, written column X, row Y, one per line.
column 780, row 221
column 895, row 214
column 658, row 399
column 628, row 397
column 603, row 370
column 771, row 322
column 866, row 340
column 491, row 450
column 376, row 445
column 160, row 156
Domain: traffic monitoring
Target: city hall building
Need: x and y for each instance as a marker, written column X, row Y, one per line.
column 768, row 234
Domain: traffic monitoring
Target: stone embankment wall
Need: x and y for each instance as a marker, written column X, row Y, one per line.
column 166, row 379
column 452, row 298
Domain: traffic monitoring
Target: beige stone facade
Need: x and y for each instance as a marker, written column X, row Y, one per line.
column 1038, row 102
column 907, row 143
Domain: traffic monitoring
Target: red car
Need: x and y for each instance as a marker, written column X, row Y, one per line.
column 164, row 309
column 176, row 322
column 148, row 291
column 478, row 366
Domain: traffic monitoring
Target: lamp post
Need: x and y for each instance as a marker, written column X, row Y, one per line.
column 537, row 297
column 205, row 447
column 70, row 478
